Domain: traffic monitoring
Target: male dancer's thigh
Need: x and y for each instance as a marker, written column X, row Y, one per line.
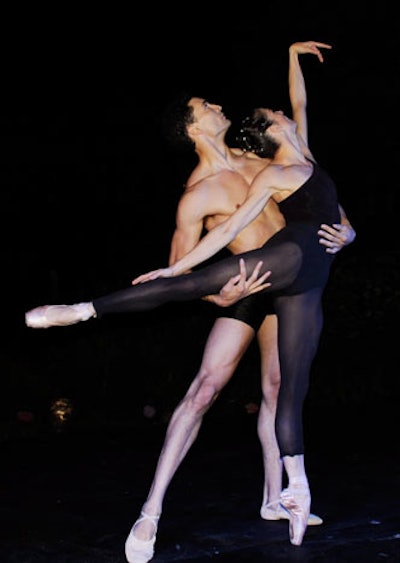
column 232, row 333
column 226, row 344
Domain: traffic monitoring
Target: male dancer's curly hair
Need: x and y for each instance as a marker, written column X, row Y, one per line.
column 177, row 116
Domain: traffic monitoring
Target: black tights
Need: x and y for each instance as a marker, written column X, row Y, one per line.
column 300, row 320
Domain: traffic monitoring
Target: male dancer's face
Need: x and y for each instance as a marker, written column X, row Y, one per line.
column 208, row 118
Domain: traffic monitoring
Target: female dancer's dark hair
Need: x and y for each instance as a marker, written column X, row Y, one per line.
column 253, row 136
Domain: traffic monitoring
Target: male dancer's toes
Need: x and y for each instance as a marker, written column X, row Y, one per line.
column 297, row 501
column 59, row 315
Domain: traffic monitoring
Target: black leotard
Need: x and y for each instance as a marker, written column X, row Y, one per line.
column 301, row 208
column 299, row 271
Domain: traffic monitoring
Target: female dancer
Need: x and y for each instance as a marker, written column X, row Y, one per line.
column 299, row 269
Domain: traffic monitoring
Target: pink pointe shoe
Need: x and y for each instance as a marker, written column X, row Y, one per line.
column 59, row 315
column 141, row 551
column 297, row 500
column 281, row 513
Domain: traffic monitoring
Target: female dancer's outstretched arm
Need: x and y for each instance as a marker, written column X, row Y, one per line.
column 218, row 237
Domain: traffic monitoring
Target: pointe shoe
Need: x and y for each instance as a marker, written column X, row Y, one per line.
column 141, row 551
column 59, row 315
column 297, row 500
column 280, row 513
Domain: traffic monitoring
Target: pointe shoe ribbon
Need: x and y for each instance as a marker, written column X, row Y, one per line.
column 141, row 551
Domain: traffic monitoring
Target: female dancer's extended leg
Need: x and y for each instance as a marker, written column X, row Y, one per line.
column 283, row 258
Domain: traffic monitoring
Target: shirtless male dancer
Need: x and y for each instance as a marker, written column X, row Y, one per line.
column 224, row 175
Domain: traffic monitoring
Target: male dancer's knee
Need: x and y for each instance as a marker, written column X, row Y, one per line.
column 201, row 396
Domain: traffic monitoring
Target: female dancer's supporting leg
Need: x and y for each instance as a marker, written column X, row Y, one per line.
column 300, row 322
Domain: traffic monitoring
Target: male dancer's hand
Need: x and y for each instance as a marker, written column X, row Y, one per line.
column 240, row 286
column 335, row 237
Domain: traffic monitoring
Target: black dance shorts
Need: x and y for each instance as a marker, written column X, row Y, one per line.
column 251, row 310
